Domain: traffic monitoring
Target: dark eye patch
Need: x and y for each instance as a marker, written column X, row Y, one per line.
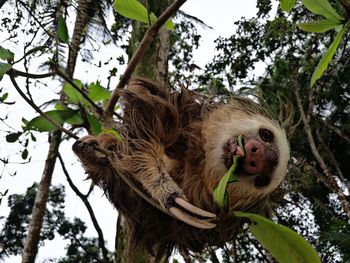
column 262, row 180
column 266, row 135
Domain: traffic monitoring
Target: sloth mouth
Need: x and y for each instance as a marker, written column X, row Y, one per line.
column 232, row 148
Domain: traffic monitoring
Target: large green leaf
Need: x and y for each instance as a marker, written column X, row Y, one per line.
column 287, row 5
column 319, row 26
column 6, row 54
column 97, row 92
column 323, row 63
column 62, row 30
column 41, row 124
column 284, row 244
column 133, row 9
column 74, row 96
column 323, row 8
column 4, row 67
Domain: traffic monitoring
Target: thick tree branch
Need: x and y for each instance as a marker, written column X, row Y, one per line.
column 146, row 41
column 35, row 107
column 101, row 240
column 332, row 183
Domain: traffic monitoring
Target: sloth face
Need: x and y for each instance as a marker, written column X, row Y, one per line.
column 264, row 156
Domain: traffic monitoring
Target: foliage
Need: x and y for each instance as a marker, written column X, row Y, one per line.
column 15, row 228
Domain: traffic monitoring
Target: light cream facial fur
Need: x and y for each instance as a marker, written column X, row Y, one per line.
column 228, row 122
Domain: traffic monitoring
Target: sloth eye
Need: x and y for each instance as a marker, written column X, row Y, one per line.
column 266, row 135
column 262, row 180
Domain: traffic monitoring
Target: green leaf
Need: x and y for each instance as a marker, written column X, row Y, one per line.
column 133, row 9
column 284, row 244
column 4, row 67
column 95, row 125
column 25, row 154
column 114, row 133
column 97, row 92
column 323, row 63
column 74, row 96
column 13, row 137
column 39, row 123
column 220, row 194
column 6, row 54
column 322, row 7
column 62, row 30
column 169, row 24
column 287, row 5
column 319, row 26
column 76, row 119
column 4, row 97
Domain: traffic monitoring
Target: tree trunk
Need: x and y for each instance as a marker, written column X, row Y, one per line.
column 31, row 246
column 153, row 65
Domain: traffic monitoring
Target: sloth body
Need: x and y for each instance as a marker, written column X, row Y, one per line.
column 176, row 148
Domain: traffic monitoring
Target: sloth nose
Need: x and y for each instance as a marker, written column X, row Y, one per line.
column 254, row 157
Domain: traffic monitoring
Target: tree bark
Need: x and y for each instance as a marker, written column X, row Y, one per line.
column 31, row 246
column 153, row 65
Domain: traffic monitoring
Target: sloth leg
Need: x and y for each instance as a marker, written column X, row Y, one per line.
column 149, row 170
column 151, row 173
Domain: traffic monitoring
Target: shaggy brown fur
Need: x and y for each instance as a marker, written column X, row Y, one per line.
column 173, row 147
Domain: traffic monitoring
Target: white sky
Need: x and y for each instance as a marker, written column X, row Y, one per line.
column 219, row 14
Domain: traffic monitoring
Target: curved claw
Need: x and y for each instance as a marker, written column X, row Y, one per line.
column 89, row 139
column 191, row 220
column 193, row 209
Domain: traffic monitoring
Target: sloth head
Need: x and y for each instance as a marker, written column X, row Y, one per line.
column 264, row 158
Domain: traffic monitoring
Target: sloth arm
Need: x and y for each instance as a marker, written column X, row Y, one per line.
column 149, row 169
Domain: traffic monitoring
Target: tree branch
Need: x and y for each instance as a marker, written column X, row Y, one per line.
column 345, row 4
column 35, row 107
column 332, row 183
column 334, row 129
column 101, row 240
column 146, row 41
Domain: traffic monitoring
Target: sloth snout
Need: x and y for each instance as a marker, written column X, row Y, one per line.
column 254, row 157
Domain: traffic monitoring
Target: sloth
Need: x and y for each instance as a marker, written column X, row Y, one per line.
column 176, row 146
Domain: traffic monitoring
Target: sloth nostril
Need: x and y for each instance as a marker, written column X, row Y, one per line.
column 254, row 149
column 253, row 164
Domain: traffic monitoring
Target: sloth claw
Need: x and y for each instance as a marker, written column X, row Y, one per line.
column 193, row 209
column 189, row 215
column 191, row 220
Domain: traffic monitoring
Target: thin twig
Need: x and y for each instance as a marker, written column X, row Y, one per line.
column 146, row 41
column 101, row 240
column 16, row 73
column 334, row 129
column 35, row 107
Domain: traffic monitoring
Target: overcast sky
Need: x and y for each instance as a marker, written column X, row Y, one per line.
column 220, row 15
